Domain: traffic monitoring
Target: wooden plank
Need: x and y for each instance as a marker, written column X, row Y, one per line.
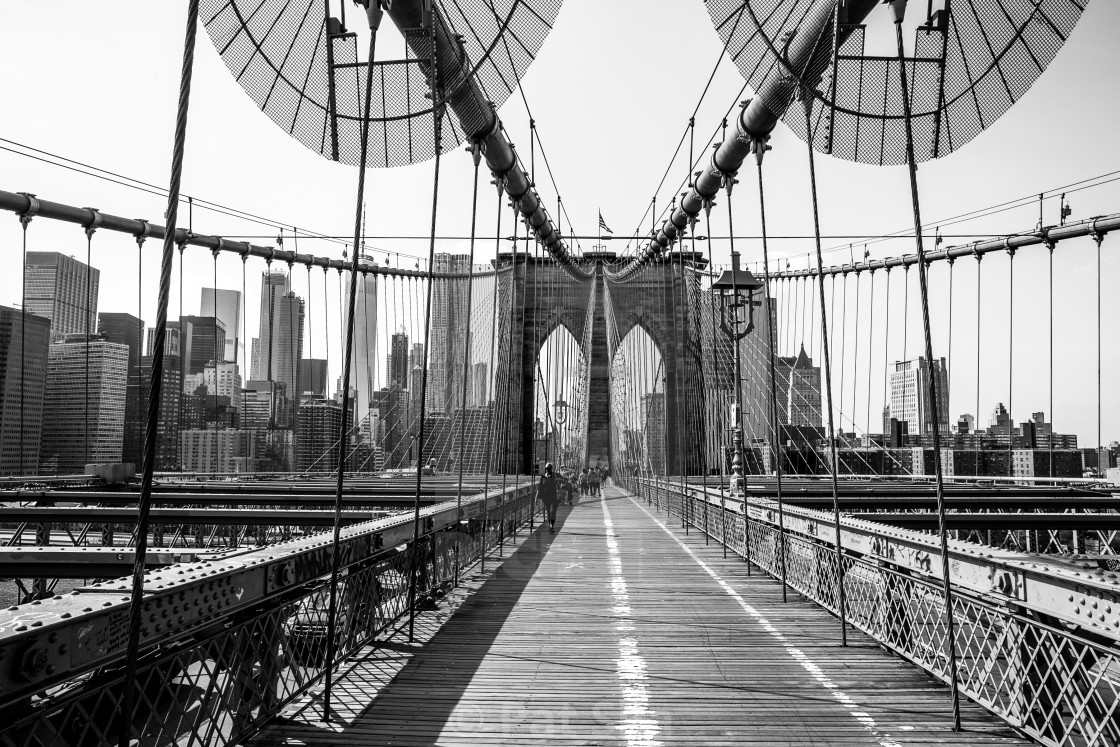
column 571, row 643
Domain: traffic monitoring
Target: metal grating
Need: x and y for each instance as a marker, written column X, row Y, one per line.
column 277, row 51
column 992, row 53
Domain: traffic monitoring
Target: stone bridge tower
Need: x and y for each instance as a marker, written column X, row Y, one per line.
column 658, row 299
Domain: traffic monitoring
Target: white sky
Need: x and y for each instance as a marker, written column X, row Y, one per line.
column 611, row 92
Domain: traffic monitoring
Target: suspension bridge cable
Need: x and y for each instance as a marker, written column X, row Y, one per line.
column 842, row 613
column 774, row 420
column 923, row 280
column 336, row 558
column 128, row 698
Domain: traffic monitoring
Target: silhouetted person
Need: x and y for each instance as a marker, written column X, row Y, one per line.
column 546, row 491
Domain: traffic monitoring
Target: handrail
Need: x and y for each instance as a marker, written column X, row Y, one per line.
column 50, row 642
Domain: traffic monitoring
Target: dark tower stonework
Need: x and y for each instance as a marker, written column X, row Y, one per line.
column 544, row 296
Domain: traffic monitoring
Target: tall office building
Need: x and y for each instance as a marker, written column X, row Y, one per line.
column 203, row 339
column 398, row 360
column 274, row 285
column 799, row 390
column 126, row 329
column 448, row 320
column 313, row 376
column 57, row 290
column 317, row 425
column 24, row 340
column 910, row 402
column 170, row 399
column 363, row 363
column 279, row 348
column 172, row 340
column 65, row 445
column 223, row 380
column 226, row 306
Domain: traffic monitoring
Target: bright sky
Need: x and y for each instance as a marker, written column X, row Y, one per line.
column 611, row 92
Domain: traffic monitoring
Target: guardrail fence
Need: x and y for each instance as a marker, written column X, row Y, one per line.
column 1038, row 645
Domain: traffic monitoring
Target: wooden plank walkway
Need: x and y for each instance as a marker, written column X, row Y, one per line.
column 620, row 630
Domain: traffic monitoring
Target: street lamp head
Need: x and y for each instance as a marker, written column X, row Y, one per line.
column 736, row 289
column 560, row 411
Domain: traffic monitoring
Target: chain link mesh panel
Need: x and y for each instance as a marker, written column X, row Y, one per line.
column 278, row 52
column 968, row 68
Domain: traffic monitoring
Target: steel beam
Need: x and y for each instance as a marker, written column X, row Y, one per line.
column 216, row 516
column 68, row 635
column 21, row 204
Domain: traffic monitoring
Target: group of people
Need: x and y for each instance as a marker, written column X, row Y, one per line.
column 553, row 488
column 590, row 480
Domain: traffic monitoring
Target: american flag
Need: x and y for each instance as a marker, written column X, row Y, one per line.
column 603, row 224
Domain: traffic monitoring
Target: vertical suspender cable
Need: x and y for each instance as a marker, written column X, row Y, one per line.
column 437, row 113
column 1010, row 361
column 131, row 684
column 88, row 312
column 24, row 221
column 476, row 154
column 976, row 423
column 855, row 358
column 336, row 557
column 870, row 353
column 1050, row 406
column 840, row 601
column 729, row 181
column 775, row 426
column 923, row 279
column 491, row 379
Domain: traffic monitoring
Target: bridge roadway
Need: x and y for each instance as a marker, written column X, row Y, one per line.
column 621, row 630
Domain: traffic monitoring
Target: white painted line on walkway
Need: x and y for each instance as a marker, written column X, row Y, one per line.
column 795, row 653
column 639, row 725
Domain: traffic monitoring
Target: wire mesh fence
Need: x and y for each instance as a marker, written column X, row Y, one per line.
column 1058, row 685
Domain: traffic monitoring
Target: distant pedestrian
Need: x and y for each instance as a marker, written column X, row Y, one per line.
column 583, row 481
column 593, row 480
column 550, row 498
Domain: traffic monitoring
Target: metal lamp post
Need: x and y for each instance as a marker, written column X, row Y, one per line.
column 736, row 288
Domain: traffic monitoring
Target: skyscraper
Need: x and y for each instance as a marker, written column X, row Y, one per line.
column 223, row 380
column 449, row 320
column 56, row 289
column 313, row 376
column 910, row 400
column 317, row 425
column 226, row 306
column 22, row 362
column 799, row 390
column 204, row 340
column 126, row 329
column 172, row 342
column 167, row 427
column 273, row 287
column 398, row 360
column 65, row 448
column 363, row 364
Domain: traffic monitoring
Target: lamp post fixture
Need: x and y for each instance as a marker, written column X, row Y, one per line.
column 560, row 417
column 736, row 288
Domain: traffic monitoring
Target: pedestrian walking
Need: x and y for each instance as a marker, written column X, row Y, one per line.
column 583, row 481
column 549, row 496
column 593, row 480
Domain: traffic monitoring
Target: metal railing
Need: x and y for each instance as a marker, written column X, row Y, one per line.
column 1037, row 641
column 226, row 645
